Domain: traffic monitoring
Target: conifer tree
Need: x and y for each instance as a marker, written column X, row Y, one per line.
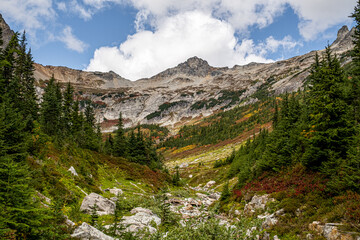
column 120, row 148
column 68, row 108
column 331, row 123
column 19, row 213
column 51, row 108
column 355, row 81
column 109, row 145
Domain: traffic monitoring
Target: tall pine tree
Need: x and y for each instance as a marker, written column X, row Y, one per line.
column 120, row 145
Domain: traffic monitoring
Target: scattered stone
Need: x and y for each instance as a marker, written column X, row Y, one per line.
column 86, row 232
column 73, row 171
column 69, row 222
column 201, row 195
column 175, row 201
column 104, row 205
column 309, row 236
column 190, row 176
column 168, row 194
column 330, row 231
column 210, row 184
column 257, row 203
column 250, row 231
column 276, row 237
column 43, row 197
column 215, row 196
column 269, row 220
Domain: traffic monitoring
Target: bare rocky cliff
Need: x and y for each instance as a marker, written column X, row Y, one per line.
column 189, row 91
column 6, row 32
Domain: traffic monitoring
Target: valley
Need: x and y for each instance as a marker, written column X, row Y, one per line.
column 259, row 151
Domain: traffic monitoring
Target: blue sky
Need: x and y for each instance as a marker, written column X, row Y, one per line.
column 140, row 38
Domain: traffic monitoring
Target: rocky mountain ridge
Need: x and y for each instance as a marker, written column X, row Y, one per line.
column 6, row 32
column 187, row 92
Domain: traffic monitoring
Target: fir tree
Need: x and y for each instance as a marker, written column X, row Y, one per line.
column 19, row 213
column 355, row 72
column 225, row 194
column 176, row 177
column 68, row 108
column 120, row 147
column 331, row 123
column 51, row 107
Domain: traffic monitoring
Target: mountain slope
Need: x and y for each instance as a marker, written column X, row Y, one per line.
column 187, row 92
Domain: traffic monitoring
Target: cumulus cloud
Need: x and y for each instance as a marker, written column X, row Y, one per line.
column 178, row 38
column 70, row 41
column 318, row 16
column 29, row 13
column 207, row 29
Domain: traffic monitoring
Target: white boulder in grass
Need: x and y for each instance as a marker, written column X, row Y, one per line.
column 103, row 205
column 73, row 171
column 86, row 232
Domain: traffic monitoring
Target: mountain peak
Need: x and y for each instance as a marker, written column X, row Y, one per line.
column 342, row 32
column 194, row 66
column 344, row 39
column 195, row 62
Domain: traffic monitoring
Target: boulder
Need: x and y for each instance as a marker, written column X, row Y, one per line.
column 86, row 232
column 257, row 203
column 116, row 191
column 142, row 219
column 104, row 206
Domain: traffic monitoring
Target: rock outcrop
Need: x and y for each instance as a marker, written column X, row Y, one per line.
column 103, row 205
column 142, row 219
column 257, row 203
column 331, row 231
column 7, row 33
column 86, row 232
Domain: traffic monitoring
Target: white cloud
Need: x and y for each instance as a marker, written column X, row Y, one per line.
column 71, row 41
column 272, row 45
column 28, row 13
column 101, row 3
column 177, row 38
column 318, row 16
column 83, row 12
column 61, row 6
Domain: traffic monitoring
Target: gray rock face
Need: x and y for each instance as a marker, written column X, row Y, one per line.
column 143, row 218
column 191, row 87
column 104, row 205
column 7, row 33
column 190, row 83
column 87, row 232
